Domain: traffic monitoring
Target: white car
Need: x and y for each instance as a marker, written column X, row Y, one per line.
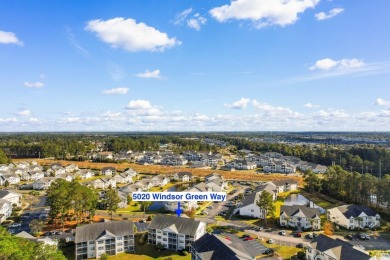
column 270, row 241
column 15, row 225
column 282, row 233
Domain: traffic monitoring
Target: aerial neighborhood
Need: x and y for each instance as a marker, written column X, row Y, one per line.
column 270, row 202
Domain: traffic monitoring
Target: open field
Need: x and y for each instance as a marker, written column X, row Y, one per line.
column 249, row 175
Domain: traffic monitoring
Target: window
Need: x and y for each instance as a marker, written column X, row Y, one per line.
column 119, row 238
column 100, row 242
column 100, row 247
column 91, row 242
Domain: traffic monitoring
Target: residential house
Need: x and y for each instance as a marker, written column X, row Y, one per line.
column 319, row 168
column 242, row 165
column 146, row 184
column 354, row 216
column 127, row 178
column 279, row 167
column 212, row 176
column 45, row 240
column 44, row 183
column 84, row 174
column 175, row 233
column 93, row 240
column 119, row 179
column 326, row 248
column 131, row 172
column 2, row 180
column 22, row 165
column 174, row 160
column 108, row 171
column 160, row 180
column 65, row 176
column 12, row 197
column 210, row 247
column 12, row 178
column 58, row 170
column 104, row 183
column 33, row 175
column 182, row 176
column 71, row 168
column 5, row 209
column 301, row 217
column 131, row 188
column 273, row 155
column 103, row 156
column 249, row 203
column 285, row 185
column 35, row 167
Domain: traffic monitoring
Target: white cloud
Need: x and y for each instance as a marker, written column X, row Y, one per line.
column 9, row 38
column 155, row 74
column 310, row 105
column 194, row 22
column 181, row 17
column 382, row 102
column 332, row 13
column 33, row 84
column 34, row 120
column 116, row 91
column 8, row 120
column 239, row 104
column 328, row 64
column 272, row 110
column 130, row 35
column 142, row 107
column 263, row 12
column 330, row 113
column 25, row 112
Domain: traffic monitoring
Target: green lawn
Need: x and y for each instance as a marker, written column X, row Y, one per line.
column 148, row 251
column 286, row 252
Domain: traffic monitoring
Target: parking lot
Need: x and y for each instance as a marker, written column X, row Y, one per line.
column 374, row 243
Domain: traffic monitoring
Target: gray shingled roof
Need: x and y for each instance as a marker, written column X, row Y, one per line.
column 324, row 243
column 185, row 226
column 4, row 193
column 293, row 210
column 209, row 247
column 93, row 231
column 250, row 199
column 356, row 210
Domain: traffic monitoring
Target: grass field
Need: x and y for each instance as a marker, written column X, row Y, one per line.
column 286, row 252
column 249, row 175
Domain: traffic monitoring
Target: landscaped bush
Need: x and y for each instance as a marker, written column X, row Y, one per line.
column 183, row 252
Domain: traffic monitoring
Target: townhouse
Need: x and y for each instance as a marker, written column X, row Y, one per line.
column 326, row 248
column 5, row 209
column 241, row 165
column 300, row 217
column 160, row 180
column 285, row 185
column 175, row 233
column 12, row 197
column 104, row 183
column 108, row 171
column 182, row 176
column 354, row 216
column 249, row 206
column 110, row 238
column 43, row 183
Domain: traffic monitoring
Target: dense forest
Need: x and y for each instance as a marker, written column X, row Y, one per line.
column 360, row 157
column 352, row 187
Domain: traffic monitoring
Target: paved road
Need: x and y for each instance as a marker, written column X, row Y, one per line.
column 220, row 206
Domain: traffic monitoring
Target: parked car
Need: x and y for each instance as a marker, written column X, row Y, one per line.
column 142, row 221
column 297, row 234
column 15, row 225
column 210, row 207
column 282, row 233
column 245, row 236
column 310, row 236
column 315, row 235
column 270, row 241
column 58, row 233
column 350, row 237
column 362, row 236
column 69, row 231
column 249, row 238
column 299, row 245
column 258, row 229
column 48, row 233
column 269, row 251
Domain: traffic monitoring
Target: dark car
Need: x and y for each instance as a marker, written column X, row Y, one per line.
column 48, row 233
column 245, row 235
column 350, row 237
column 269, row 251
column 58, row 233
column 299, row 245
column 68, row 230
column 298, row 234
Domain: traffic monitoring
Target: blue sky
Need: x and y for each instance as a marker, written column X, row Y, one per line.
column 297, row 65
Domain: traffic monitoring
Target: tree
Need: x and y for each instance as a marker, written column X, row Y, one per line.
column 112, row 200
column 328, row 228
column 191, row 212
column 313, row 183
column 6, row 183
column 3, row 157
column 36, row 225
column 145, row 205
column 129, row 199
column 266, row 204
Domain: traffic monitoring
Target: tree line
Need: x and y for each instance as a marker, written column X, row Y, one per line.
column 351, row 187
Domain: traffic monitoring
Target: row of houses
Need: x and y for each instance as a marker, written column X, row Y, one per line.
column 304, row 217
column 179, row 233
